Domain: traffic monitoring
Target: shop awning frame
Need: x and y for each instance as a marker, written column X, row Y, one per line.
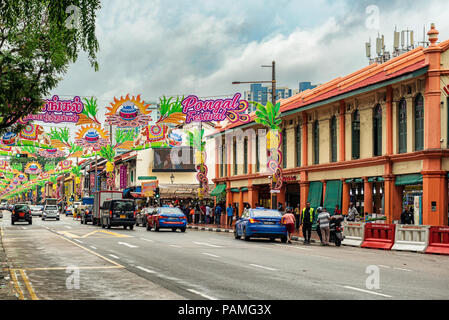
column 408, row 179
column 218, row 190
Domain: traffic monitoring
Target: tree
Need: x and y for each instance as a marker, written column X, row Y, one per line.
column 38, row 41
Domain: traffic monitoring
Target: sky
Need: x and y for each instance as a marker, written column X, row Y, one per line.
column 178, row 47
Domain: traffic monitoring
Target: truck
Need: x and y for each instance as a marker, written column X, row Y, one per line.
column 50, row 202
column 99, row 198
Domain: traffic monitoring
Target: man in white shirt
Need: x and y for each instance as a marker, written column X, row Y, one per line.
column 207, row 214
column 323, row 221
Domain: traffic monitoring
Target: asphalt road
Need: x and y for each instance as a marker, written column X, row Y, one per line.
column 138, row 264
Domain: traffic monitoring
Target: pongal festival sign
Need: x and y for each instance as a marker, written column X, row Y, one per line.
column 56, row 111
column 197, row 110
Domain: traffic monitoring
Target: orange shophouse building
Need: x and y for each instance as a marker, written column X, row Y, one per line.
column 377, row 137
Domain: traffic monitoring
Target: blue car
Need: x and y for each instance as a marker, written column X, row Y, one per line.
column 260, row 223
column 166, row 218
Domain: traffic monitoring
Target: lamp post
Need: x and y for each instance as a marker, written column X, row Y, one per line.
column 172, row 178
column 273, row 196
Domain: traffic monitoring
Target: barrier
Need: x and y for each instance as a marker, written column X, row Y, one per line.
column 354, row 233
column 438, row 240
column 379, row 236
column 411, row 238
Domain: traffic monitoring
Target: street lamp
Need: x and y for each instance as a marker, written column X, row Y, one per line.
column 172, row 178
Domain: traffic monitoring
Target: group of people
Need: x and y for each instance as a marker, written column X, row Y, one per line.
column 208, row 213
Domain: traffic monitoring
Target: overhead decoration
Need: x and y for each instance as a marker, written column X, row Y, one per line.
column 128, row 112
column 92, row 137
column 33, row 168
column 51, row 153
column 196, row 141
column 197, row 110
column 57, row 111
column 89, row 114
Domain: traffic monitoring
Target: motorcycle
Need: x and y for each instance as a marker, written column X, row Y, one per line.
column 336, row 231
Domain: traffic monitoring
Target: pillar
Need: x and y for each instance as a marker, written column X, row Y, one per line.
column 253, row 196
column 282, row 196
column 217, row 161
column 434, row 202
column 345, row 198
column 305, row 141
column 240, row 203
column 223, row 218
column 324, row 191
column 392, row 199
column 342, row 136
column 368, row 195
column 389, row 112
column 303, row 189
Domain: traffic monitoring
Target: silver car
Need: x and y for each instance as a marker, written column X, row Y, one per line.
column 36, row 210
column 50, row 212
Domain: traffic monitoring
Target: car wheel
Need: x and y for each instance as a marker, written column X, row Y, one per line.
column 109, row 224
column 12, row 222
column 183, row 229
column 102, row 224
column 272, row 239
column 284, row 239
column 337, row 242
column 148, row 227
column 236, row 236
column 57, row 219
column 156, row 227
column 173, row 229
column 245, row 236
column 131, row 227
column 30, row 222
column 43, row 219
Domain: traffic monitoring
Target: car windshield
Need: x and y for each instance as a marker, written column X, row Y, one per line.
column 170, row 210
column 123, row 205
column 51, row 207
column 266, row 213
column 35, row 208
column 21, row 207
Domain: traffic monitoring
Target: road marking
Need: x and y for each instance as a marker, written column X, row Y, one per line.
column 402, row 269
column 367, row 291
column 80, row 268
column 295, row 247
column 68, row 234
column 68, row 227
column 114, row 234
column 387, row 267
column 115, row 257
column 210, row 254
column 16, row 284
column 28, row 285
column 207, row 244
column 77, row 240
column 147, row 240
column 128, row 245
column 201, row 294
column 175, row 246
column 262, row 267
column 24, row 228
column 93, row 247
column 145, row 269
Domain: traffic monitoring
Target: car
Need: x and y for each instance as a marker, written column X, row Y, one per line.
column 50, row 212
column 166, row 218
column 141, row 217
column 260, row 223
column 86, row 214
column 118, row 212
column 69, row 211
column 36, row 210
column 21, row 213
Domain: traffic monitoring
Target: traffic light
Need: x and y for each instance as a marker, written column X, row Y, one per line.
column 156, row 193
column 22, row 155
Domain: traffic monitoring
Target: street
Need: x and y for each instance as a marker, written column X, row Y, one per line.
column 140, row 264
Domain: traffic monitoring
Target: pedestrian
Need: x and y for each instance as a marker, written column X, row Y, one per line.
column 207, row 214
column 297, row 215
column 203, row 213
column 337, row 210
column 318, row 230
column 197, row 214
column 229, row 213
column 352, row 212
column 289, row 220
column 323, row 221
column 307, row 221
column 218, row 210
column 411, row 215
column 280, row 208
column 192, row 215
column 235, row 212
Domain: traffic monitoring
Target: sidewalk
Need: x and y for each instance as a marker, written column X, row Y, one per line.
column 297, row 235
column 7, row 291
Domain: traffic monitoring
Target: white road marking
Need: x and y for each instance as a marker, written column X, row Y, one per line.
column 128, row 245
column 201, row 294
column 24, row 228
column 93, row 247
column 210, row 254
column 293, row 246
column 387, row 267
column 145, row 269
column 175, row 246
column 67, row 227
column 402, row 269
column 207, row 244
column 147, row 240
column 77, row 240
column 367, row 291
column 115, row 257
column 262, row 267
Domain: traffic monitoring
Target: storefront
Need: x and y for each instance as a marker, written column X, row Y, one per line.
column 291, row 191
column 412, row 191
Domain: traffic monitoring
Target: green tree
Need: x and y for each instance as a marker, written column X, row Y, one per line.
column 38, row 41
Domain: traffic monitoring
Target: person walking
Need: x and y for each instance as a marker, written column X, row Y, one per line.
column 280, row 208
column 207, row 214
column 323, row 221
column 307, row 221
column 404, row 216
column 352, row 212
column 318, row 230
column 197, row 214
column 218, row 210
column 192, row 215
column 203, row 213
column 289, row 220
column 297, row 216
column 229, row 213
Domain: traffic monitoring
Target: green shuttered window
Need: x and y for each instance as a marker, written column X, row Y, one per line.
column 377, row 131
column 298, row 146
column 355, row 137
column 333, row 195
column 419, row 122
column 402, row 125
column 315, row 194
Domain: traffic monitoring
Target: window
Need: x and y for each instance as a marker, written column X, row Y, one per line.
column 355, row 135
column 257, row 154
column 402, row 125
column 316, row 142
column 245, row 155
column 284, row 149
column 334, row 139
column 419, row 122
column 377, row 131
column 223, row 157
column 234, row 149
column 298, row 146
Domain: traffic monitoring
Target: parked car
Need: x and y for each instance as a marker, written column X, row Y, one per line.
column 37, row 210
column 50, row 212
column 21, row 213
column 166, row 218
column 120, row 212
column 141, row 217
column 260, row 223
column 69, row 211
column 86, row 214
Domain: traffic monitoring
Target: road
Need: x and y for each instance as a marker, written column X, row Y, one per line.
column 138, row 264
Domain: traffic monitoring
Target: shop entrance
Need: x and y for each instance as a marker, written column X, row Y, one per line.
column 292, row 195
column 264, row 196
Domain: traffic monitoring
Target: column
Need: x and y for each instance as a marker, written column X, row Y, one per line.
column 324, row 191
column 303, row 189
column 253, row 196
column 368, row 195
column 342, row 136
column 345, row 198
column 392, row 199
column 240, row 203
column 389, row 112
column 217, row 161
column 281, row 196
column 305, row 143
column 434, row 201
column 224, row 219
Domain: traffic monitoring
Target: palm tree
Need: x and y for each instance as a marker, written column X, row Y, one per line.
column 270, row 116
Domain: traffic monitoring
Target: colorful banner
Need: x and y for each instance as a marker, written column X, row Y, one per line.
column 57, row 111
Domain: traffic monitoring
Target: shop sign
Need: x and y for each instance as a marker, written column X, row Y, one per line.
column 123, row 177
column 275, row 191
column 148, row 188
column 288, row 178
column 56, row 111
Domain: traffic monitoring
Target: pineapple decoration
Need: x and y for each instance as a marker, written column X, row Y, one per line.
column 109, row 153
column 269, row 116
column 77, row 173
column 195, row 140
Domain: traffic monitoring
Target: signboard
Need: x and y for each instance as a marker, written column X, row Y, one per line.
column 147, row 178
column 56, row 111
column 149, row 187
column 275, row 191
column 288, row 178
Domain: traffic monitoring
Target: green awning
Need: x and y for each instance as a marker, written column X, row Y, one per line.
column 408, row 179
column 244, row 189
column 218, row 190
column 235, row 190
column 333, row 195
column 358, row 180
column 315, row 194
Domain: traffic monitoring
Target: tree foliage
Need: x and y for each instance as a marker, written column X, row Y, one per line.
column 38, row 41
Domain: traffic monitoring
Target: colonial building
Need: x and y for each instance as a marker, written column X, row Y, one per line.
column 377, row 137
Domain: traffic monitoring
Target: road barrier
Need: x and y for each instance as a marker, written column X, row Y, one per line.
column 354, row 233
column 438, row 240
column 411, row 238
column 379, row 236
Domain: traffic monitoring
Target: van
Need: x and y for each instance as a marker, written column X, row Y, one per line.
column 119, row 212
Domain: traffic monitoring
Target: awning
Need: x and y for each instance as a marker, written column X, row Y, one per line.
column 376, row 179
column 235, row 190
column 218, row 190
column 408, row 179
column 244, row 189
column 137, row 195
column 315, row 194
column 333, row 195
column 358, row 180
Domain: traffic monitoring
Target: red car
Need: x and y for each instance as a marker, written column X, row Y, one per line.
column 166, row 218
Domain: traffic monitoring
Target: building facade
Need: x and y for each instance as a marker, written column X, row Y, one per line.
column 377, row 137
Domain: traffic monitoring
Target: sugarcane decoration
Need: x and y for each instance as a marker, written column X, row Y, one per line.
column 196, row 141
column 109, row 153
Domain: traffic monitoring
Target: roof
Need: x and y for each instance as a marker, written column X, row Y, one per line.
column 406, row 63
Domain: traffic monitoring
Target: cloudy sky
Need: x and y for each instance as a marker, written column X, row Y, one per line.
column 171, row 47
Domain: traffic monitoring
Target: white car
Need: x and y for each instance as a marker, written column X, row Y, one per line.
column 50, row 212
column 37, row 210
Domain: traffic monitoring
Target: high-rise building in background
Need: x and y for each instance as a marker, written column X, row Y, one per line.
column 303, row 86
column 262, row 94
